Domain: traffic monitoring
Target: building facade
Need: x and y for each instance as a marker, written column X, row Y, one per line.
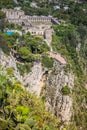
column 36, row 25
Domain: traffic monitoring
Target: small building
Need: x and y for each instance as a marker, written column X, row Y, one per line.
column 36, row 25
column 33, row 5
column 66, row 7
column 56, row 7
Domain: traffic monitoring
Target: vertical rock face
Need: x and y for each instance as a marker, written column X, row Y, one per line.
column 59, row 104
column 9, row 61
column 32, row 80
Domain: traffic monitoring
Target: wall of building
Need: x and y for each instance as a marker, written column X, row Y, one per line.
column 29, row 23
column 17, row 16
column 14, row 15
column 39, row 19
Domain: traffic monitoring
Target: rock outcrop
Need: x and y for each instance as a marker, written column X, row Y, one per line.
column 10, row 62
column 32, row 81
column 56, row 102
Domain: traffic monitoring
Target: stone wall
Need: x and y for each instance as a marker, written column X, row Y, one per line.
column 38, row 29
column 17, row 15
column 14, row 15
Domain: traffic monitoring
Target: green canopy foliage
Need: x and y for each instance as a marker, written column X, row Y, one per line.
column 7, row 4
column 3, row 22
column 25, row 54
column 20, row 110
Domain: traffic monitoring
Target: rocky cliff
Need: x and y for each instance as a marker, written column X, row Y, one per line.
column 32, row 81
column 57, row 102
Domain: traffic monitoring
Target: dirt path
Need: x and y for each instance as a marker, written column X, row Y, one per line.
column 58, row 57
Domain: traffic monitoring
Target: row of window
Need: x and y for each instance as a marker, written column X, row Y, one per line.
column 12, row 13
column 37, row 33
column 39, row 19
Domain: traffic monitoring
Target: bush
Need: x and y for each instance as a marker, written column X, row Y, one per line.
column 25, row 54
column 24, row 68
column 65, row 90
column 4, row 44
column 10, row 71
column 47, row 62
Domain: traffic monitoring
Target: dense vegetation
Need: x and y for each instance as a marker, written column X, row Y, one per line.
column 27, row 47
column 7, row 3
column 20, row 110
column 3, row 22
column 47, row 62
column 65, row 90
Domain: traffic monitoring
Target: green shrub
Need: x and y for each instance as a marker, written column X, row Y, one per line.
column 24, row 68
column 4, row 44
column 10, row 71
column 65, row 90
column 47, row 62
column 25, row 54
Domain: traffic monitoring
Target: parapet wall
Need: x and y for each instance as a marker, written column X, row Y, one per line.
column 39, row 19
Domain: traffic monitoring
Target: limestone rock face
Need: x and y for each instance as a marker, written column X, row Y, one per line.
column 31, row 80
column 57, row 103
column 10, row 62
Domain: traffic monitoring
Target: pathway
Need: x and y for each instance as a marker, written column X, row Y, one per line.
column 58, row 57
